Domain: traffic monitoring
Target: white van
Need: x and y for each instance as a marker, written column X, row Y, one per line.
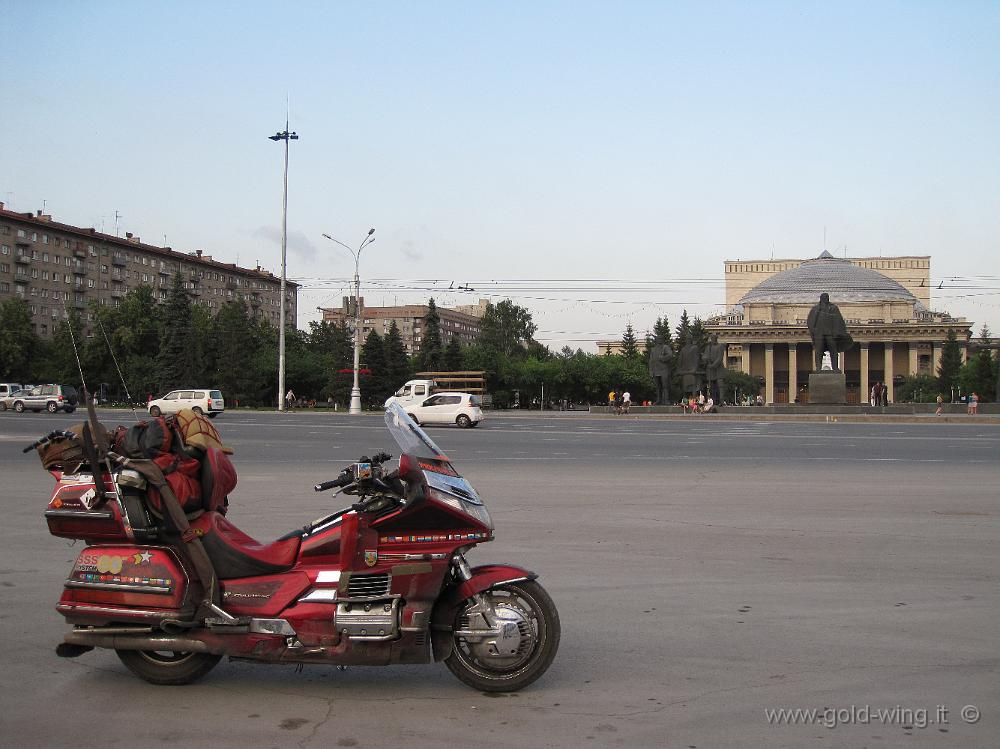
column 414, row 391
column 202, row 401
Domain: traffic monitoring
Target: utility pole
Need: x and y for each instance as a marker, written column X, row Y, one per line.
column 285, row 136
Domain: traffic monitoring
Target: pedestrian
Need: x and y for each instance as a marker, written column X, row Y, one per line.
column 611, row 400
column 973, row 404
column 701, row 401
column 626, row 401
column 290, row 398
column 873, row 395
column 885, row 395
column 940, row 405
column 618, row 403
column 149, row 398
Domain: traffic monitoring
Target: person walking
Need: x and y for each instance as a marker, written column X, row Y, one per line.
column 289, row 398
column 626, row 402
column 973, row 404
column 611, row 400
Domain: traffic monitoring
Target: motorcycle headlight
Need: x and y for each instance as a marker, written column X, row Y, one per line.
column 473, row 510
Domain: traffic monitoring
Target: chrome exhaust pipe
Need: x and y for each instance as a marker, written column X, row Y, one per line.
column 136, row 642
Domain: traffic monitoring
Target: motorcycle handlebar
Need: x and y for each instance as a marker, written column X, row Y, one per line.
column 342, row 480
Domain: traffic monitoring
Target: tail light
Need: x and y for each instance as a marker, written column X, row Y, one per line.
column 61, row 398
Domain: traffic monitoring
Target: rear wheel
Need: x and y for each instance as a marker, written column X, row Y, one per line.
column 166, row 667
column 51, row 407
column 3, row 405
column 213, row 415
column 18, row 406
column 197, row 410
column 523, row 627
column 415, row 419
column 463, row 421
column 154, row 411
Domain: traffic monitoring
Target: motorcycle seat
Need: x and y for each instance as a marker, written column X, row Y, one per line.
column 235, row 554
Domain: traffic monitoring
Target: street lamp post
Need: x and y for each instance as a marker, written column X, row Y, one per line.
column 356, row 390
column 285, row 136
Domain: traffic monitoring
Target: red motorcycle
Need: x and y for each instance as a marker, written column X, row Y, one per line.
column 384, row 581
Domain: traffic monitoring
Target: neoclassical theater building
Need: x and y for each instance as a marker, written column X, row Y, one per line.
column 886, row 302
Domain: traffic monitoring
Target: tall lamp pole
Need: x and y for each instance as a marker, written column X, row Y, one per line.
column 356, row 390
column 285, row 136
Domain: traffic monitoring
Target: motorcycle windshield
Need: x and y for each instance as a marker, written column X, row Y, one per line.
column 412, row 440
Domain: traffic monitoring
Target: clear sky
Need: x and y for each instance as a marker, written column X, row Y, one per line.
column 496, row 144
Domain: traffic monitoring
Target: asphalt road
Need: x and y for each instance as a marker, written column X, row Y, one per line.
column 705, row 572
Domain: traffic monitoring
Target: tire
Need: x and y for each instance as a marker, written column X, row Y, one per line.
column 415, row 419
column 528, row 606
column 197, row 410
column 154, row 411
column 19, row 406
column 69, row 410
column 3, row 405
column 52, row 407
column 463, row 421
column 167, row 668
column 213, row 415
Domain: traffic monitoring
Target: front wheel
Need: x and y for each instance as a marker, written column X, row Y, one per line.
column 520, row 637
column 19, row 407
column 167, row 668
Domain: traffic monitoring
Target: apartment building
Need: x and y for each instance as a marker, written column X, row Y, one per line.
column 409, row 319
column 57, row 267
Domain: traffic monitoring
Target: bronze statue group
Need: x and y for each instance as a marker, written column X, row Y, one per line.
column 701, row 370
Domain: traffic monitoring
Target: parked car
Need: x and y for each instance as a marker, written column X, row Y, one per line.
column 202, row 401
column 7, row 388
column 52, row 398
column 462, row 409
column 7, row 401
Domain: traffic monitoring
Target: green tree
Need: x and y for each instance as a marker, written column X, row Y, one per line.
column 951, row 364
column 506, row 328
column 431, row 351
column 630, row 347
column 918, row 389
column 18, row 344
column 736, row 384
column 453, row 355
column 246, row 356
column 376, row 389
column 683, row 330
column 177, row 358
column 978, row 376
column 661, row 331
column 397, row 363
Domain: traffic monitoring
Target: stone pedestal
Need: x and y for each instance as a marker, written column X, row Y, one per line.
column 829, row 388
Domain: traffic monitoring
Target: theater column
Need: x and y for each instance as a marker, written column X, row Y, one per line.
column 914, row 360
column 745, row 358
column 865, row 386
column 890, row 389
column 793, row 373
column 769, row 373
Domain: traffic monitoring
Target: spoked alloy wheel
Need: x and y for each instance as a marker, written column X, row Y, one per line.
column 527, row 626
column 166, row 667
column 463, row 421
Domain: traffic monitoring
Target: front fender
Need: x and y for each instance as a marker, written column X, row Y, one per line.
column 483, row 578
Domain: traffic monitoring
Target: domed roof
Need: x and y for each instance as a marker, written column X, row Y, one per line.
column 844, row 281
